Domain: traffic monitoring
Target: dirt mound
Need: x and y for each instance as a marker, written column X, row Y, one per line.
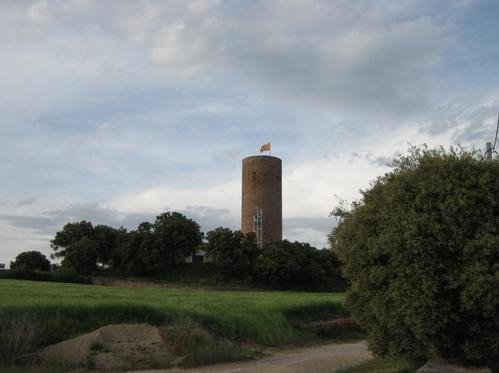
column 113, row 347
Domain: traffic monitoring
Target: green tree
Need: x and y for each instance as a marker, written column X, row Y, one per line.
column 81, row 256
column 70, row 234
column 138, row 251
column 234, row 252
column 421, row 250
column 31, row 260
column 106, row 239
column 176, row 236
column 297, row 265
column 99, row 245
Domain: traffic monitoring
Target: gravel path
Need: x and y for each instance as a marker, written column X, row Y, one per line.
column 317, row 359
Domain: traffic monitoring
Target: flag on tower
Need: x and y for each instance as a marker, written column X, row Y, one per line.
column 265, row 148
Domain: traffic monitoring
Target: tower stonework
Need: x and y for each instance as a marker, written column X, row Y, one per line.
column 262, row 197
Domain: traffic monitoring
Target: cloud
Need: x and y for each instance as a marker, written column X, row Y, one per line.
column 318, row 54
column 470, row 120
column 26, row 202
column 184, row 51
column 37, row 223
column 223, row 195
column 371, row 67
column 39, row 13
column 311, row 230
column 49, row 222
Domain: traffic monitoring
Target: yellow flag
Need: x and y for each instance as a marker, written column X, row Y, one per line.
column 265, row 148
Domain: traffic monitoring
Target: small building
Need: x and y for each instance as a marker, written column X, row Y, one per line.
column 200, row 256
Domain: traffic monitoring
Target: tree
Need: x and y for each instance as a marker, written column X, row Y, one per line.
column 31, row 260
column 91, row 245
column 176, row 236
column 421, row 250
column 106, row 239
column 81, row 256
column 234, row 252
column 70, row 234
column 296, row 265
column 138, row 251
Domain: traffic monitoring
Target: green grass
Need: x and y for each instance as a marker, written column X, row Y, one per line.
column 54, row 311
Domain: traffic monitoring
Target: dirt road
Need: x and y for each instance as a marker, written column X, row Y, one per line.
column 316, row 359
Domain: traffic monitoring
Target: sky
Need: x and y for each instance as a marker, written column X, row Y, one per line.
column 116, row 111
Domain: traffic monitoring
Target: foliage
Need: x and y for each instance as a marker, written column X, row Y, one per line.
column 285, row 264
column 70, row 234
column 186, row 337
column 81, row 256
column 234, row 252
column 156, row 249
column 30, row 260
column 421, row 250
column 176, row 236
column 63, row 275
column 138, row 252
column 83, row 247
column 106, row 239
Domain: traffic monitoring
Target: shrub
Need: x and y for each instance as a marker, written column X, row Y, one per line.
column 63, row 275
column 421, row 249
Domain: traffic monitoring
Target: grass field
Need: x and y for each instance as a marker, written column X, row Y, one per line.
column 50, row 312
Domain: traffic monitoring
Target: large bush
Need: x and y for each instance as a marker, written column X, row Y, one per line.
column 421, row 249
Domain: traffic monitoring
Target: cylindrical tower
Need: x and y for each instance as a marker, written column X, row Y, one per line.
column 262, row 198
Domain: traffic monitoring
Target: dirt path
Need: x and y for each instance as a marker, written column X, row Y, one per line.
column 311, row 359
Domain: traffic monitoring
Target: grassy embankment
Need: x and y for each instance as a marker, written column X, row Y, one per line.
column 33, row 314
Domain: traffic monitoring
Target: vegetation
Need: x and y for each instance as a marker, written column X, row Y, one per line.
column 31, row 261
column 176, row 236
column 297, row 265
column 186, row 337
column 148, row 250
column 421, row 249
column 233, row 252
column 54, row 276
column 158, row 250
column 51, row 312
column 82, row 247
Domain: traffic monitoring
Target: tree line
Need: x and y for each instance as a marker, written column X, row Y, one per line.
column 154, row 249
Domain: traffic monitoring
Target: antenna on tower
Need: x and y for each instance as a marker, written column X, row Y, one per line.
column 489, row 148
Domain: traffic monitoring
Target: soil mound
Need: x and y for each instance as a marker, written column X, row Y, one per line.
column 113, row 347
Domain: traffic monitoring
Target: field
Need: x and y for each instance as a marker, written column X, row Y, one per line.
column 50, row 312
